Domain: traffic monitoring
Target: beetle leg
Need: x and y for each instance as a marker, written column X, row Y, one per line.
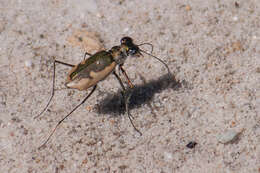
column 126, row 99
column 63, row 63
column 86, row 53
column 53, row 85
column 126, row 76
column 83, row 101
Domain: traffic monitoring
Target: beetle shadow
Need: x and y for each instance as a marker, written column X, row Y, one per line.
column 141, row 94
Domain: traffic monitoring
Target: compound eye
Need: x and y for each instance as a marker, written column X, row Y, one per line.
column 126, row 40
column 132, row 51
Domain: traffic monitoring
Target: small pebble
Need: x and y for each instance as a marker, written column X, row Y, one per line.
column 167, row 156
column 187, row 8
column 235, row 18
column 228, row 136
column 255, row 37
column 237, row 46
column 28, row 63
column 125, row 30
column 236, row 4
column 191, row 144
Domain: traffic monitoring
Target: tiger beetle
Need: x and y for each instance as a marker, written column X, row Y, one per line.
column 96, row 68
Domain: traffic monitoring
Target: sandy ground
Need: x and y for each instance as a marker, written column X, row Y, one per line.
column 212, row 47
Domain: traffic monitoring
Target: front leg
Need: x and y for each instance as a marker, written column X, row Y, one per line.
column 126, row 76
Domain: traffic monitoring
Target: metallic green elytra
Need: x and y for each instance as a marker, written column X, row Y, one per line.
column 90, row 71
column 96, row 68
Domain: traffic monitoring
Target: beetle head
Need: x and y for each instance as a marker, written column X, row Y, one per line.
column 130, row 47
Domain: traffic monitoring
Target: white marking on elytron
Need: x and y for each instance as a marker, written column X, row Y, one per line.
column 71, row 84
